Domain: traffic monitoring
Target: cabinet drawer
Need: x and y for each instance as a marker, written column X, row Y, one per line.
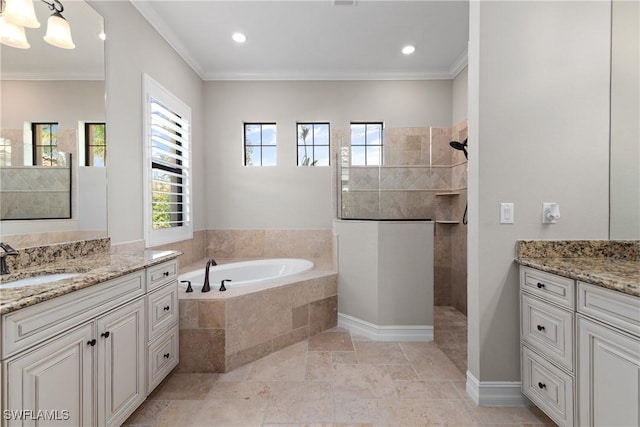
column 557, row 289
column 163, row 357
column 618, row 309
column 162, row 306
column 161, row 274
column 31, row 325
column 548, row 329
column 548, row 387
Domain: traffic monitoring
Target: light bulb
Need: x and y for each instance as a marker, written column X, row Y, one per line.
column 59, row 32
column 12, row 35
column 21, row 12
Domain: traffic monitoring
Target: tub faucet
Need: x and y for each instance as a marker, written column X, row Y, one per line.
column 6, row 251
column 207, row 287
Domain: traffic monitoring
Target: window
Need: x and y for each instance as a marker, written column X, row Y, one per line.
column 260, row 144
column 5, row 152
column 168, row 215
column 45, row 144
column 313, row 144
column 366, row 144
column 95, row 144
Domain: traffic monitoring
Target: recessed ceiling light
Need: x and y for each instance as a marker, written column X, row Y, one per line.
column 102, row 36
column 408, row 50
column 239, row 37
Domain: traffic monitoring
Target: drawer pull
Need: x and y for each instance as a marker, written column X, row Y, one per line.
column 540, row 328
column 106, row 334
column 167, row 308
column 542, row 385
column 165, row 274
column 92, row 342
column 166, row 355
column 540, row 285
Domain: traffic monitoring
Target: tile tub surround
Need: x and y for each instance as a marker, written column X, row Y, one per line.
column 314, row 245
column 95, row 268
column 610, row 264
column 220, row 331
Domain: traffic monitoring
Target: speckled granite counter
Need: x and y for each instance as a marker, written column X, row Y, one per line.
column 611, row 264
column 95, row 268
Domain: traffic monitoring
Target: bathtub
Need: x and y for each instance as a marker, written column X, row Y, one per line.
column 247, row 273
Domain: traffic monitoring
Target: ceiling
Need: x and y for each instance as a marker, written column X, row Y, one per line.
column 315, row 40
column 298, row 40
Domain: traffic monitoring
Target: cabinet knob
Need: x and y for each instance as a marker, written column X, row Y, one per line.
column 166, row 355
column 165, row 274
column 542, row 385
column 106, row 334
column 540, row 328
column 92, row 342
column 540, row 285
column 167, row 308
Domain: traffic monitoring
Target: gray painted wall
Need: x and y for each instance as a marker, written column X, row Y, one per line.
column 460, row 97
column 539, row 125
column 132, row 48
column 287, row 196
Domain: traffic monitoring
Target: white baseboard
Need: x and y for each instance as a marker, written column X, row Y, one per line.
column 385, row 332
column 496, row 393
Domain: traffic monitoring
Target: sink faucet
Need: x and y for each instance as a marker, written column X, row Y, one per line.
column 207, row 287
column 6, row 251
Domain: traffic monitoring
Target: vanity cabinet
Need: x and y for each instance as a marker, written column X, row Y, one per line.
column 609, row 357
column 547, row 319
column 580, row 350
column 92, row 356
column 162, row 322
column 92, row 374
column 37, row 378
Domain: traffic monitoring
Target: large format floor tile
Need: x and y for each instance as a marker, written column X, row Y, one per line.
column 336, row 379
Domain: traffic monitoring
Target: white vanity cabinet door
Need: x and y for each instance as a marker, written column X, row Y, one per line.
column 121, row 363
column 608, row 376
column 54, row 380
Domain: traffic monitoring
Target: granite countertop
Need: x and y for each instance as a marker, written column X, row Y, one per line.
column 92, row 269
column 611, row 273
column 612, row 264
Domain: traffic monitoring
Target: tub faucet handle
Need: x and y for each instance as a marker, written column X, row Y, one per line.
column 188, row 282
column 222, row 287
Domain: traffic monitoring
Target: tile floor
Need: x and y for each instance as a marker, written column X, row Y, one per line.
column 336, row 379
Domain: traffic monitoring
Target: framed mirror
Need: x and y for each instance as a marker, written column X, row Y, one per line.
column 624, row 174
column 53, row 147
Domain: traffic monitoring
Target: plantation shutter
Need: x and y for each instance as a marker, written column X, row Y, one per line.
column 169, row 168
column 168, row 214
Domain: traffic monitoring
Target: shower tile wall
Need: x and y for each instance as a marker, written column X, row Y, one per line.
column 419, row 166
column 459, row 232
column 28, row 192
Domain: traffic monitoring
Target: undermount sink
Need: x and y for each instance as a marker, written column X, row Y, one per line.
column 37, row 280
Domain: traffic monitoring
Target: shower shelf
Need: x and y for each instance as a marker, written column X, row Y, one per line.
column 447, row 222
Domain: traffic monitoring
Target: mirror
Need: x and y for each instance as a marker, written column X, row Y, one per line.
column 624, row 179
column 48, row 85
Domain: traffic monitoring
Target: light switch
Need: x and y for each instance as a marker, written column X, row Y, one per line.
column 507, row 213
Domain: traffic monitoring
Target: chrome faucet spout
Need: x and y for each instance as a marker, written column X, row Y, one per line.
column 206, row 287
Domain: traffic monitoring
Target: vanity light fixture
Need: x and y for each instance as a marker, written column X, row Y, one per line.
column 239, row 38
column 16, row 15
column 408, row 50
